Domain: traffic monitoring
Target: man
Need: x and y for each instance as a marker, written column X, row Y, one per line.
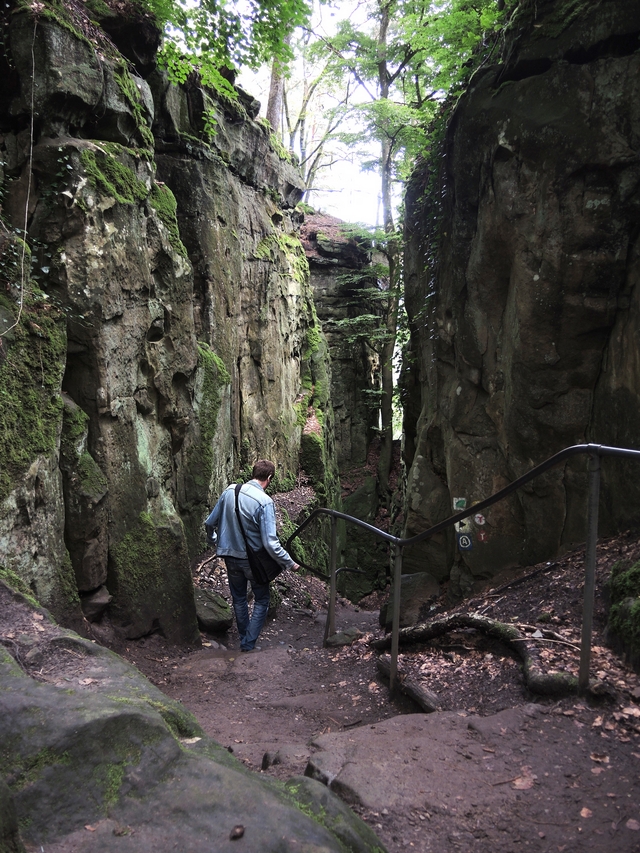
column 259, row 522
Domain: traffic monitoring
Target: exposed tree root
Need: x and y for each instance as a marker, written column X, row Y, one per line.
column 537, row 680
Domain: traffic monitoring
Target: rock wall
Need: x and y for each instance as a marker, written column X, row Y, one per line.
column 337, row 265
column 167, row 319
column 522, row 290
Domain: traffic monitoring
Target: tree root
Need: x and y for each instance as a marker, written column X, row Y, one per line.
column 537, row 680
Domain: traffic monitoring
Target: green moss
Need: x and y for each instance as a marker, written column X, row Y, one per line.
column 33, row 767
column 57, row 12
column 265, row 250
column 92, row 481
column 66, row 588
column 74, row 429
column 16, row 583
column 113, row 783
column 216, row 378
column 31, row 369
column 278, row 147
column 132, row 96
column 624, row 581
column 311, row 341
column 16, row 255
column 180, row 721
column 312, row 457
column 274, row 245
column 163, row 201
column 111, row 177
column 623, row 627
column 137, row 560
column 292, row 249
column 563, row 14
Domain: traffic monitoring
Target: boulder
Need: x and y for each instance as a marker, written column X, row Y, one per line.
column 95, row 603
column 417, row 592
column 96, row 757
column 212, row 611
column 344, row 638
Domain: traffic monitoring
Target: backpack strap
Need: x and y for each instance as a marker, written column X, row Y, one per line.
column 244, row 535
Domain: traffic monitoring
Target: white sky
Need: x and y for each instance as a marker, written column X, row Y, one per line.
column 342, row 190
column 346, row 191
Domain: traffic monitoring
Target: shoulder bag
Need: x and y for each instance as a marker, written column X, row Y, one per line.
column 263, row 567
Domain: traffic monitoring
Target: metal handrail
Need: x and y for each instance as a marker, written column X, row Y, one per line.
column 595, row 451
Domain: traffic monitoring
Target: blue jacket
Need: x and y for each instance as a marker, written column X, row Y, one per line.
column 258, row 519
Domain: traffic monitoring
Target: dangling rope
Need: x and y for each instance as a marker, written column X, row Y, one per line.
column 26, row 206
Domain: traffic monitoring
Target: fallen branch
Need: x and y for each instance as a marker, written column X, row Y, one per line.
column 427, row 700
column 536, row 679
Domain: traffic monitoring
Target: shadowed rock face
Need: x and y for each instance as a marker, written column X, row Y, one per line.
column 337, row 265
column 522, row 269
column 169, row 347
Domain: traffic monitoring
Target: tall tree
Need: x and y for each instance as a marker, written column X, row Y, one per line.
column 404, row 58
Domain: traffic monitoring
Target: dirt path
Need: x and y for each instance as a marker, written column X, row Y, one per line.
column 497, row 769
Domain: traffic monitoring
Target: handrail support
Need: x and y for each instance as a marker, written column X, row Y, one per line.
column 395, row 624
column 330, row 625
column 590, row 571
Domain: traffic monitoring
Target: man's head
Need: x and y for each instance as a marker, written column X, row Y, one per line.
column 263, row 470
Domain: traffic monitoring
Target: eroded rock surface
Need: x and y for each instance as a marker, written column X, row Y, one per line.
column 168, row 335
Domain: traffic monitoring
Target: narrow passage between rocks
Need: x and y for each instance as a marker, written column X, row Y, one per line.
column 495, row 769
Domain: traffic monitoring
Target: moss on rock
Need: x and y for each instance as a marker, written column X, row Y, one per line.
column 623, row 628
column 108, row 175
column 215, row 378
column 163, row 201
column 31, row 369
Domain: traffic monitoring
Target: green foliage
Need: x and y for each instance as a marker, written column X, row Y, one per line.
column 209, row 36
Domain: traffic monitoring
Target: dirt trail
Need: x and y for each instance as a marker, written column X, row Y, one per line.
column 550, row 776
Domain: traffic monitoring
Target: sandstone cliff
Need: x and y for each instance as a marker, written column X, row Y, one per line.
column 522, row 271
column 167, row 325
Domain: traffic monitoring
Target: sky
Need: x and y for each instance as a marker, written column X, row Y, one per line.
column 343, row 190
column 346, row 191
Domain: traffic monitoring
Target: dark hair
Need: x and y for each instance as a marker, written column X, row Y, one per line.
column 263, row 469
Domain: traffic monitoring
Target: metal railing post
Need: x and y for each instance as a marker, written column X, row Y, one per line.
column 395, row 625
column 590, row 571
column 330, row 626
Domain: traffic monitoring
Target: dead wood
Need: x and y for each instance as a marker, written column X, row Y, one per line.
column 526, row 648
column 423, row 697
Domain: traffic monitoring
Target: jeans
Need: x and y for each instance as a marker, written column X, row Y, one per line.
column 239, row 574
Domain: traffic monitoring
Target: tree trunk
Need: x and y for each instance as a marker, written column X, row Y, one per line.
column 276, row 92
column 386, row 176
